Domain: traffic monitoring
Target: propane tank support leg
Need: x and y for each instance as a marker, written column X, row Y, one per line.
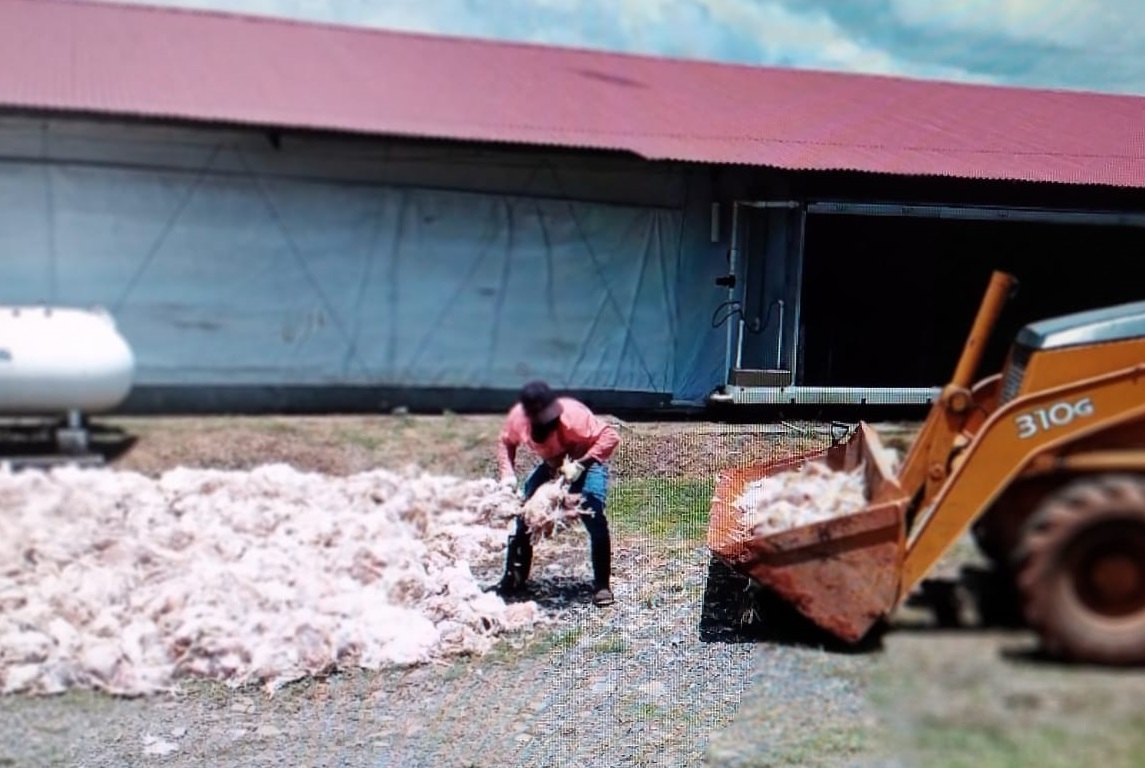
column 72, row 438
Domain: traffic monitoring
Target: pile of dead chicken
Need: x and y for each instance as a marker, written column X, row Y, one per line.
column 116, row 581
column 810, row 494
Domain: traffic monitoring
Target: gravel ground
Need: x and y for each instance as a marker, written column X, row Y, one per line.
column 679, row 672
column 676, row 673
column 450, row 444
column 636, row 685
column 805, row 708
column 645, row 682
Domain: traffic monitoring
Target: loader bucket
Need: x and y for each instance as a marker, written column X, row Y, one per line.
column 843, row 574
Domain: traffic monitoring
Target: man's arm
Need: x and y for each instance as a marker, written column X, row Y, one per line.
column 507, row 445
column 601, row 437
column 506, row 458
column 604, row 443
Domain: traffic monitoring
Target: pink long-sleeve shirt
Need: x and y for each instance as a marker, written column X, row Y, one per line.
column 579, row 434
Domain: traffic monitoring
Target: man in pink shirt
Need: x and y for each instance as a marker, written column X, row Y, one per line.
column 555, row 428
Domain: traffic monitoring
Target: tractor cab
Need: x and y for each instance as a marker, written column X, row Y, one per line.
column 1061, row 350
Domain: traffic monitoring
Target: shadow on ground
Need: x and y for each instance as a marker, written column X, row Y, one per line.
column 20, row 441
column 554, row 593
column 736, row 610
column 980, row 601
column 980, row 598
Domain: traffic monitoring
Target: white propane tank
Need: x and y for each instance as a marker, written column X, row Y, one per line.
column 59, row 359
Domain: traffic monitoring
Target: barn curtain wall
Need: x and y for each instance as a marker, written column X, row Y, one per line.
column 228, row 262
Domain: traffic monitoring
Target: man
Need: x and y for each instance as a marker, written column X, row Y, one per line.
column 555, row 428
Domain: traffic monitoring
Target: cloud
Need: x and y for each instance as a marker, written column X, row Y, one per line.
column 740, row 31
column 1068, row 23
column 1091, row 44
column 1087, row 44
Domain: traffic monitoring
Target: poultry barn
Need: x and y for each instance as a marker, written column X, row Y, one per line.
column 286, row 242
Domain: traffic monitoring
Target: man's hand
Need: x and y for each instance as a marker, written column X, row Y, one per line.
column 572, row 470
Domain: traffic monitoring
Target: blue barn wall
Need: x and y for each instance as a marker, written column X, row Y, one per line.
column 768, row 249
column 235, row 265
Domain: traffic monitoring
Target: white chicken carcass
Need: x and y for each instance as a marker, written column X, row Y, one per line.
column 550, row 508
column 813, row 493
column 116, row 581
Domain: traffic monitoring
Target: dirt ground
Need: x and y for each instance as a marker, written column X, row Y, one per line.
column 460, row 445
column 680, row 673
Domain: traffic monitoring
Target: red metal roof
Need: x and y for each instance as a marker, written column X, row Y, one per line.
column 195, row 65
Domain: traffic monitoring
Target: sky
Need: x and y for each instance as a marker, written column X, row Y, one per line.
column 1096, row 45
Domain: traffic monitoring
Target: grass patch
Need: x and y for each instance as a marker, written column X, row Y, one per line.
column 1002, row 744
column 663, row 509
column 646, row 711
column 276, row 427
column 455, row 671
column 555, row 642
column 360, row 438
column 507, row 651
column 942, row 711
column 828, row 746
column 821, row 748
column 503, row 653
column 611, row 644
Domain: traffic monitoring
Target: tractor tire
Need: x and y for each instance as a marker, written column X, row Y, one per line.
column 1080, row 570
column 991, row 542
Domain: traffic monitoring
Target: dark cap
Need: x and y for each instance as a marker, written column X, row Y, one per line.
column 540, row 402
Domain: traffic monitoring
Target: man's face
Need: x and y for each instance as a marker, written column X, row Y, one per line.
column 542, row 414
column 542, row 429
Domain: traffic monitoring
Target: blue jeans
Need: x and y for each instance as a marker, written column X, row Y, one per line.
column 593, row 489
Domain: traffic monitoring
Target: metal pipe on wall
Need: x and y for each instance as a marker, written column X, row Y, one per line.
column 804, row 395
column 779, row 339
column 979, row 213
column 739, row 346
column 733, row 265
column 796, row 320
column 770, row 203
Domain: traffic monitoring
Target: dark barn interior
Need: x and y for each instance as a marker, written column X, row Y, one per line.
column 888, row 301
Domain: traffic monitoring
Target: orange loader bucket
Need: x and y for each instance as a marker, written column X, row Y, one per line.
column 843, row 573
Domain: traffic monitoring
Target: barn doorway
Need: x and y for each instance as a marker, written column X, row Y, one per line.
column 887, row 300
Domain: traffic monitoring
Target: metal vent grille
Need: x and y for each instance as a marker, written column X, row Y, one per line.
column 1015, row 370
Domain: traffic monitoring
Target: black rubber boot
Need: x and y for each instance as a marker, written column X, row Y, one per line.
column 602, row 572
column 518, row 563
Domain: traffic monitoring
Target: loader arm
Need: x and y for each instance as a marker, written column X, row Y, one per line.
column 1010, row 440
column 960, row 407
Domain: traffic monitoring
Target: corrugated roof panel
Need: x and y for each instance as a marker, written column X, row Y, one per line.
column 174, row 63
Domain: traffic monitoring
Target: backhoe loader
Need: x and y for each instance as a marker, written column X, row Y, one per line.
column 1042, row 463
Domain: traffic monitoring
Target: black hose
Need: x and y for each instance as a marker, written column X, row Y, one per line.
column 736, row 309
